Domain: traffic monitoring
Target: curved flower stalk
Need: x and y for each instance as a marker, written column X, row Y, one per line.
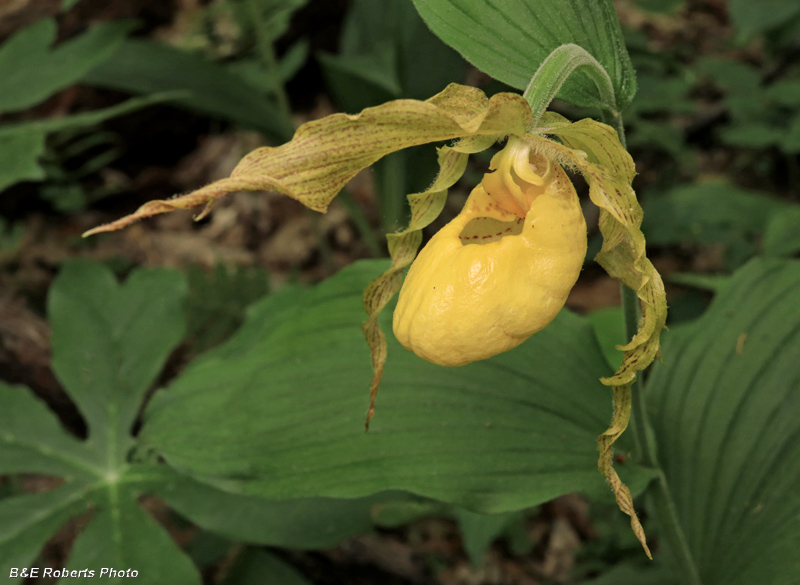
column 502, row 269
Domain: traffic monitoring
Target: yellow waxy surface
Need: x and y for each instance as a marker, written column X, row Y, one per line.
column 463, row 302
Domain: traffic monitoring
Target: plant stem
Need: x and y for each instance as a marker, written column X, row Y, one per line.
column 644, row 445
column 658, row 491
column 555, row 70
column 630, row 310
column 614, row 119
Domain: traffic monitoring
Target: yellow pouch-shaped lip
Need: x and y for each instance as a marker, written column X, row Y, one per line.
column 465, row 301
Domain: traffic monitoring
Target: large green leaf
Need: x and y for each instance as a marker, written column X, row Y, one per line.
column 509, row 39
column 725, row 406
column 278, row 411
column 609, row 326
column 110, row 342
column 217, row 301
column 141, row 66
column 32, row 72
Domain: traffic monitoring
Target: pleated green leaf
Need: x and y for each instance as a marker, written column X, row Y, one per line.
column 509, row 39
column 278, row 411
column 725, row 405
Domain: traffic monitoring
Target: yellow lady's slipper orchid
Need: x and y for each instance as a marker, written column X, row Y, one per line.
column 502, row 269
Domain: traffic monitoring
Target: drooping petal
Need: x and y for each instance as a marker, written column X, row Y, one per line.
column 609, row 170
column 605, row 442
column 594, row 149
column 325, row 154
column 403, row 246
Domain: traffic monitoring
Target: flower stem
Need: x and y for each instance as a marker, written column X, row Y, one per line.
column 615, row 121
column 658, row 491
column 554, row 71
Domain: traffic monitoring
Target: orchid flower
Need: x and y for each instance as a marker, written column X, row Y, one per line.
column 502, row 269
